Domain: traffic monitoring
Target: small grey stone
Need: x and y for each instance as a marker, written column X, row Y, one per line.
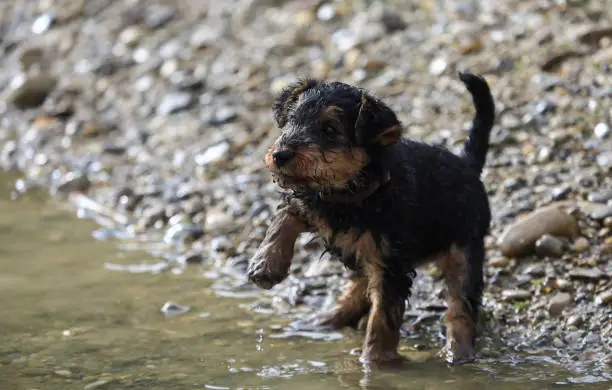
column 223, row 115
column 604, row 159
column 392, row 21
column 43, row 23
column 601, row 196
column 74, row 182
column 171, row 309
column 32, row 92
column 213, row 154
column 96, row 384
column 558, row 303
column 600, row 213
column 601, row 130
column 174, row 102
column 515, row 295
column 549, row 246
column 159, row 15
column 575, row 320
column 589, row 274
column 536, row 270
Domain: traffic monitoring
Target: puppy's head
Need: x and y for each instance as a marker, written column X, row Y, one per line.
column 329, row 133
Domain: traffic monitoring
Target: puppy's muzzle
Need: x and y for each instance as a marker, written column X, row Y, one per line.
column 282, row 157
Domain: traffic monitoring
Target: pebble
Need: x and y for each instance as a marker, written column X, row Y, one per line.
column 515, row 295
column 581, row 245
column 549, row 246
column 601, row 213
column 606, row 246
column 499, row 262
column 558, row 303
column 223, row 115
column 575, row 320
column 536, row 270
column 96, row 384
column 42, row 24
column 604, row 159
column 601, row 196
column 131, row 36
column 587, row 274
column 33, row 91
column 601, row 130
column 605, row 298
column 519, row 238
column 174, row 102
column 171, row 309
column 213, row 154
column 392, row 21
column 437, row 66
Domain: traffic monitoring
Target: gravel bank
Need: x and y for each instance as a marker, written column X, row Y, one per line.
column 153, row 118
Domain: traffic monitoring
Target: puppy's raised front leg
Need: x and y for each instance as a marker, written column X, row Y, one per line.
column 270, row 263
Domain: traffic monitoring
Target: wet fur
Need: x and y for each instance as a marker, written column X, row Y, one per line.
column 427, row 204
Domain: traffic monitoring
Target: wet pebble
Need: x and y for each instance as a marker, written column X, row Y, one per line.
column 601, row 213
column 549, row 246
column 536, row 270
column 519, row 238
column 174, row 102
column 96, row 385
column 32, row 92
column 581, row 245
column 171, row 309
column 73, row 182
column 601, row 196
column 43, row 23
column 605, row 298
column 223, row 115
column 558, row 303
column 601, row 130
column 392, row 21
column 515, row 295
column 586, row 274
column 575, row 320
column 182, row 234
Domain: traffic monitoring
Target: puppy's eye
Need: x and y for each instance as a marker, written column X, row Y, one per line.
column 329, row 130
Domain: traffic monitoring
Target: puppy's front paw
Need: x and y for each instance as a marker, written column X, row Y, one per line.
column 264, row 269
column 457, row 353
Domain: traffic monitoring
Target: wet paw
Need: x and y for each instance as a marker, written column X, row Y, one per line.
column 381, row 358
column 260, row 273
column 455, row 353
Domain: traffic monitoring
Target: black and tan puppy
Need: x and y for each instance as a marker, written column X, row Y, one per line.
column 383, row 205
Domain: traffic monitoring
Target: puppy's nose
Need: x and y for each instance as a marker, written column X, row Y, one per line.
column 282, row 157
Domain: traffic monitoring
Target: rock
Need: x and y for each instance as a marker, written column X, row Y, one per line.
column 171, row 309
column 183, row 234
column 392, row 21
column 581, row 245
column 536, row 270
column 499, row 262
column 601, row 196
column 605, row 298
column 601, row 130
column 218, row 222
column 42, row 24
column 601, row 213
column 604, row 159
column 73, row 182
column 558, row 303
column 438, row 66
column 174, row 102
column 131, row 36
column 606, row 246
column 213, row 154
column 549, row 246
column 575, row 320
column 159, row 15
column 32, row 92
column 223, row 115
column 515, row 295
column 96, row 384
column 30, row 57
column 587, row 274
column 519, row 238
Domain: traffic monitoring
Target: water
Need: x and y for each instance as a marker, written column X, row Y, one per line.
column 70, row 323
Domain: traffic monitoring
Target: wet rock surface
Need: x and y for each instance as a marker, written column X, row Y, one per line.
column 154, row 119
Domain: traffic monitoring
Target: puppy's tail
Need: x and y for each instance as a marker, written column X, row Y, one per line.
column 477, row 143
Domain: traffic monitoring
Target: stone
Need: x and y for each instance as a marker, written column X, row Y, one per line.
column 601, row 196
column 536, row 270
column 604, row 298
column 174, row 102
column 601, row 130
column 43, row 23
column 171, row 309
column 558, row 303
column 549, row 246
column 32, row 92
column 575, row 320
column 213, row 154
column 499, row 262
column 606, row 246
column 581, row 245
column 587, row 274
column 519, row 238
column 515, row 295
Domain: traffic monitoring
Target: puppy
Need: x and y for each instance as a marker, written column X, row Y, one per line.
column 383, row 205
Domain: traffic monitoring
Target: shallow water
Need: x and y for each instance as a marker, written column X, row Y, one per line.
column 70, row 323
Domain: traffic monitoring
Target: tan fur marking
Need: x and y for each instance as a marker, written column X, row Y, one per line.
column 460, row 328
column 351, row 306
column 389, row 135
column 331, row 113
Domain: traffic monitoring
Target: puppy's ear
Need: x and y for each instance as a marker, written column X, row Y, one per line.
column 376, row 123
column 287, row 98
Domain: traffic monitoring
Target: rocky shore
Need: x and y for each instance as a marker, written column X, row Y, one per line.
column 153, row 118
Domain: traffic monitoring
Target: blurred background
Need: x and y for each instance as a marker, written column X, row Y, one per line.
column 133, row 189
